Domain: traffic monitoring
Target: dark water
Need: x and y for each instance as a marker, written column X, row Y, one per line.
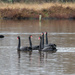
column 60, row 32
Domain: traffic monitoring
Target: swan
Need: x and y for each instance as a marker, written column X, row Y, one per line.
column 46, row 47
column 1, row 36
column 30, row 42
column 53, row 45
column 23, row 48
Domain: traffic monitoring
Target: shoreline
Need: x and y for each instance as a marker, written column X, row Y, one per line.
column 32, row 11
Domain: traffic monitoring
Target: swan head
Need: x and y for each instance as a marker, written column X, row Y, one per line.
column 45, row 32
column 40, row 38
column 30, row 36
column 18, row 37
column 42, row 33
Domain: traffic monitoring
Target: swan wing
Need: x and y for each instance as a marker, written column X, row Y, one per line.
column 49, row 48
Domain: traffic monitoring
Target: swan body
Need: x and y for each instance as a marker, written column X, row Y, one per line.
column 24, row 48
column 49, row 48
column 1, row 36
column 35, row 47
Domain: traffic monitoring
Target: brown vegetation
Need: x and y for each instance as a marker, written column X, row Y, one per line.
column 47, row 10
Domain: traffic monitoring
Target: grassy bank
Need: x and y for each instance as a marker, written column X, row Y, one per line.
column 47, row 10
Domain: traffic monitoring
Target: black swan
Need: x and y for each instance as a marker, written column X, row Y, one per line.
column 23, row 48
column 47, row 48
column 50, row 47
column 1, row 36
column 53, row 45
column 33, row 47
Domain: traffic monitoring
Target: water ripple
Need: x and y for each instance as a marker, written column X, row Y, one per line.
column 59, row 49
column 36, row 33
column 66, row 49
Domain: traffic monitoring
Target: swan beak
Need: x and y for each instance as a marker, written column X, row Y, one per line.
column 45, row 32
column 39, row 38
column 31, row 36
column 41, row 34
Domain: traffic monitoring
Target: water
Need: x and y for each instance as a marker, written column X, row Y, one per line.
column 60, row 32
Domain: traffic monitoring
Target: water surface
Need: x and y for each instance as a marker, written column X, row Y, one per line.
column 60, row 32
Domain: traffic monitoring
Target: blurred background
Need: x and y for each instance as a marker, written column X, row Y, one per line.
column 37, row 1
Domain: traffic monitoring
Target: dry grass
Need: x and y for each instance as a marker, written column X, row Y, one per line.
column 35, row 6
column 22, row 10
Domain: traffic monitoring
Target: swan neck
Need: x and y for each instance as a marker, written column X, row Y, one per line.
column 40, row 45
column 42, row 41
column 30, row 42
column 46, row 39
column 19, row 44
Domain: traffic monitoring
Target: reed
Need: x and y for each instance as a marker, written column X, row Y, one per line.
column 32, row 10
